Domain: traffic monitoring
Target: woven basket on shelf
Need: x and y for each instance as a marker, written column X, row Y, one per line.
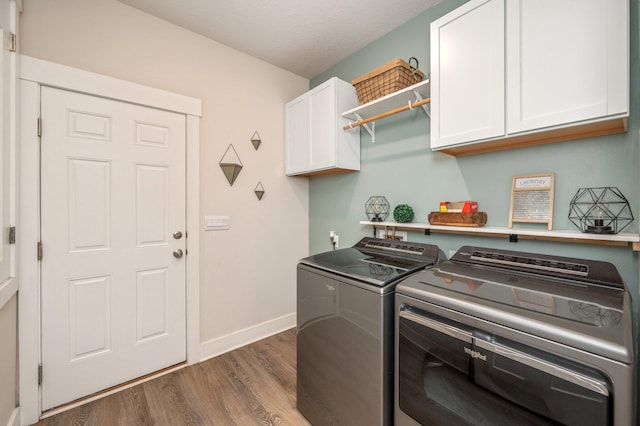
column 388, row 78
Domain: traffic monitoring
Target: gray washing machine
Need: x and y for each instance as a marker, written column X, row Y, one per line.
column 345, row 329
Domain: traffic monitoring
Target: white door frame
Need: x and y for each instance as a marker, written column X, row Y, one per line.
column 33, row 74
column 9, row 287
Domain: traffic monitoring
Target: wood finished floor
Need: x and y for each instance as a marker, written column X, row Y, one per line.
column 252, row 385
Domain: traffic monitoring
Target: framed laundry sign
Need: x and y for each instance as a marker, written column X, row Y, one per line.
column 532, row 199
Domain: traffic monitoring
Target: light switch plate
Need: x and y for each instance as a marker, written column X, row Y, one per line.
column 216, row 223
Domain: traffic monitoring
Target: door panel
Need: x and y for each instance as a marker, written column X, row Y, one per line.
column 578, row 79
column 322, row 118
column 152, row 307
column 89, row 205
column 113, row 193
column 89, row 322
column 468, row 106
column 296, row 117
column 151, row 208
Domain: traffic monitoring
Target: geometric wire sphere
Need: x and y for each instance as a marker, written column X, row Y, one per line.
column 602, row 210
column 377, row 208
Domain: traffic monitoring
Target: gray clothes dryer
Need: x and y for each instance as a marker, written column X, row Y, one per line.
column 500, row 337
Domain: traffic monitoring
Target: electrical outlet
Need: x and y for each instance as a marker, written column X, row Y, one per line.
column 334, row 239
column 399, row 235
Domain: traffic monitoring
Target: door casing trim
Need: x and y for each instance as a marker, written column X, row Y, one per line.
column 33, row 74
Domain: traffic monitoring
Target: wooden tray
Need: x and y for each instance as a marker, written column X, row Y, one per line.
column 458, row 219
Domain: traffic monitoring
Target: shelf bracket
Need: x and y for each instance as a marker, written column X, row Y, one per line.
column 513, row 238
column 427, row 231
column 425, row 107
column 370, row 128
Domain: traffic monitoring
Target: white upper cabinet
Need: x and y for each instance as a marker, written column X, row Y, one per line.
column 296, row 119
column 315, row 143
column 567, row 73
column 467, row 74
column 567, row 61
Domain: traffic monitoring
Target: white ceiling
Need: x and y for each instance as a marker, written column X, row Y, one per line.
column 302, row 36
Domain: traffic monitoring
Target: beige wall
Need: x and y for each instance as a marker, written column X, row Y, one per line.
column 248, row 272
column 8, row 339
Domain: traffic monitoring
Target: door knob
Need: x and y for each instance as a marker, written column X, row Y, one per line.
column 177, row 235
column 177, row 254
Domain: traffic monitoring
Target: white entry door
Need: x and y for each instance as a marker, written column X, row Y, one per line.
column 112, row 217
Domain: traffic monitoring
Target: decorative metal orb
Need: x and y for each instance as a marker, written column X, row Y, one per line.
column 377, row 208
column 601, row 210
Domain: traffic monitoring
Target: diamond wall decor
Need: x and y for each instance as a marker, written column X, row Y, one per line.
column 259, row 190
column 231, row 164
column 255, row 140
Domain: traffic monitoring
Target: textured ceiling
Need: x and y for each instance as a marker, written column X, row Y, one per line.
column 304, row 37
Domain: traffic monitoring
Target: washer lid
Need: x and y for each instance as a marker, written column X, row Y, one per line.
column 376, row 261
column 584, row 270
column 575, row 301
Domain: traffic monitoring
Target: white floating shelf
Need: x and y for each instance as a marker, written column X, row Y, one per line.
column 392, row 101
column 622, row 239
column 408, row 98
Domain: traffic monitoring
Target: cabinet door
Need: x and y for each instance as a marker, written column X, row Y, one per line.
column 322, row 126
column 467, row 74
column 567, row 61
column 296, row 123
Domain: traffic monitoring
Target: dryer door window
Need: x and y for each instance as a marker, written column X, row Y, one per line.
column 446, row 377
column 541, row 382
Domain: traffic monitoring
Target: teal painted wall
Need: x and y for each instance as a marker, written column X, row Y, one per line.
column 401, row 166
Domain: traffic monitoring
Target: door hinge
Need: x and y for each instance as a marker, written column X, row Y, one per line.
column 12, row 235
column 39, row 374
column 39, row 250
column 39, row 127
column 10, row 42
column 13, row 42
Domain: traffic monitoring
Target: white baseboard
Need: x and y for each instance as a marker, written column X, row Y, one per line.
column 14, row 419
column 220, row 345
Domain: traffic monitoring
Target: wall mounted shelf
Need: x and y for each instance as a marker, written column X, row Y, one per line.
column 403, row 100
column 620, row 239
